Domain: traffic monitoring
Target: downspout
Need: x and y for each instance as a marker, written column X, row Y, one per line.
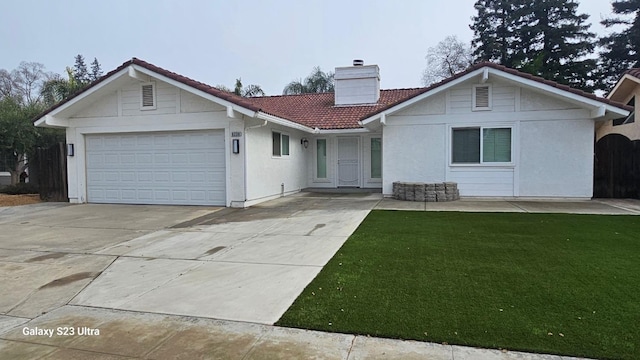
column 246, row 155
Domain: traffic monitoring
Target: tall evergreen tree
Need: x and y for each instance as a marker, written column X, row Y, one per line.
column 96, row 70
column 547, row 38
column 495, row 31
column 621, row 50
column 80, row 72
column 562, row 43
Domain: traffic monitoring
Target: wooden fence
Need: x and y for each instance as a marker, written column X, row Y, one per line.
column 617, row 168
column 51, row 167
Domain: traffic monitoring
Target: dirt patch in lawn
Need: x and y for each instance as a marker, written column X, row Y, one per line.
column 14, row 200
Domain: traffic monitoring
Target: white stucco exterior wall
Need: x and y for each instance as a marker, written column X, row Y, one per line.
column 552, row 144
column 556, row 158
column 266, row 173
column 413, row 153
column 117, row 111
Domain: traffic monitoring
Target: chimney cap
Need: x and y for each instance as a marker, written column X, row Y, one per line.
column 358, row 62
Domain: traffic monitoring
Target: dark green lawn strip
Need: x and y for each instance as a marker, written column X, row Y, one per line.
column 488, row 280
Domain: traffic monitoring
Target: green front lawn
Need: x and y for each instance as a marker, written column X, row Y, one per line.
column 548, row 283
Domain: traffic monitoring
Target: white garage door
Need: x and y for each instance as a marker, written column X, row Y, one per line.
column 177, row 168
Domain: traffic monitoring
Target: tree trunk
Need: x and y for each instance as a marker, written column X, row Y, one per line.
column 15, row 177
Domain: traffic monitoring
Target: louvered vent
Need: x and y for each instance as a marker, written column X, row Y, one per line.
column 482, row 97
column 148, row 100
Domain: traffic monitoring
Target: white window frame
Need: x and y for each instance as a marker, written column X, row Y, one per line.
column 474, row 106
column 281, row 134
column 153, row 91
column 482, row 163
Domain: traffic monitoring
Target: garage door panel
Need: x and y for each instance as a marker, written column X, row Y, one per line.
column 185, row 168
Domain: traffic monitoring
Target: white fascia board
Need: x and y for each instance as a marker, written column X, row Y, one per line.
column 52, row 122
column 619, row 83
column 135, row 74
column 343, row 131
column 215, row 99
column 590, row 104
column 422, row 96
column 280, row 121
column 485, row 75
column 83, row 95
column 599, row 112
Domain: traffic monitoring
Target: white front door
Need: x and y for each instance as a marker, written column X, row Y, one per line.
column 348, row 161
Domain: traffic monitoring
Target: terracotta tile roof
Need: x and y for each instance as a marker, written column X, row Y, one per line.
column 633, row 72
column 318, row 110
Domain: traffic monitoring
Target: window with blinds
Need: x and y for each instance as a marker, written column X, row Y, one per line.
column 469, row 147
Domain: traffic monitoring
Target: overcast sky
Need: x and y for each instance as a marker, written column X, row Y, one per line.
column 267, row 42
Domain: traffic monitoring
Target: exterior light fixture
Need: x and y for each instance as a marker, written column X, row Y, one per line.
column 236, row 146
column 69, row 149
column 304, row 142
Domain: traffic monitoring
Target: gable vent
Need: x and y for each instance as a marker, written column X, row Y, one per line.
column 482, row 97
column 148, row 96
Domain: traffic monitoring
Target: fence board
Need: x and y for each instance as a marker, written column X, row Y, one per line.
column 52, row 172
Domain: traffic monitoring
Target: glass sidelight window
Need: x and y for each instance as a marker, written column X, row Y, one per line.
column 321, row 158
column 376, row 158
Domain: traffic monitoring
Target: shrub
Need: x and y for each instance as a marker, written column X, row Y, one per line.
column 21, row 188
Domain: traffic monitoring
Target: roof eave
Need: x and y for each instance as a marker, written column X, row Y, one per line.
column 591, row 104
column 420, row 97
column 226, row 103
column 626, row 78
column 284, row 122
column 56, row 109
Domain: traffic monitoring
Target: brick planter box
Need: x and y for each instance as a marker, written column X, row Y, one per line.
column 435, row 192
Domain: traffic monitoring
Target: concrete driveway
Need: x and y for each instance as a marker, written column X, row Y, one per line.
column 233, row 264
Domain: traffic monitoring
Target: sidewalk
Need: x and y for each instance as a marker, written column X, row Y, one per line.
column 596, row 206
column 133, row 335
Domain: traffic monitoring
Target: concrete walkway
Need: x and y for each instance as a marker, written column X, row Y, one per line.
column 596, row 207
column 190, row 282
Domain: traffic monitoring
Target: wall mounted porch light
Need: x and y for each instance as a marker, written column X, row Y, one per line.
column 236, row 146
column 304, row 142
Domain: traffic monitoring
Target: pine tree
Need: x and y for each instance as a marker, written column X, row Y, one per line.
column 495, row 35
column 80, row 72
column 621, row 50
column 543, row 37
column 96, row 70
column 562, row 42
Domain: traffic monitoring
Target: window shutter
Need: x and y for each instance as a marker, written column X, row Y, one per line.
column 147, row 96
column 482, row 97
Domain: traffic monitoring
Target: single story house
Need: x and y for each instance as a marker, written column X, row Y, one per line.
column 144, row 135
